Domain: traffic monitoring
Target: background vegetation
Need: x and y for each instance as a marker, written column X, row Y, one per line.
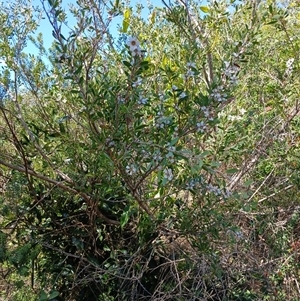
column 160, row 164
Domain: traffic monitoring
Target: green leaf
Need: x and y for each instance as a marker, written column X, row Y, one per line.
column 272, row 22
column 62, row 128
column 174, row 141
column 63, row 119
column 127, row 13
column 164, row 181
column 63, row 37
column 127, row 64
column 57, row 13
column 125, row 26
column 78, row 70
column 205, row 9
column 152, row 18
column 247, row 207
column 124, row 218
column 215, row 164
column 276, row 17
column 126, row 20
column 205, row 153
column 53, row 294
column 77, row 243
column 231, row 171
column 43, row 296
column 106, row 248
column 200, row 164
column 248, row 183
column 93, row 260
column 271, row 9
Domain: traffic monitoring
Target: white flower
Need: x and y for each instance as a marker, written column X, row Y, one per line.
column 243, row 111
column 133, row 43
column 168, row 174
column 231, row 72
column 160, row 125
column 170, row 157
column 234, row 117
column 201, row 127
column 161, row 97
column 227, row 64
column 145, row 153
column 218, row 93
column 162, row 121
column 289, row 66
column 214, row 189
column 174, row 88
column 233, row 80
column 171, row 148
column 182, row 95
column 121, row 100
column 137, row 51
column 110, row 142
column 131, row 169
column 142, row 101
column 290, row 62
column 157, row 157
column 191, row 65
column 137, row 83
column 192, row 184
column 205, row 111
column 227, row 193
column 189, row 73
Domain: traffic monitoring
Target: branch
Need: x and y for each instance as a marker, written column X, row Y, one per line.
column 71, row 190
column 275, row 193
column 260, row 186
column 209, row 76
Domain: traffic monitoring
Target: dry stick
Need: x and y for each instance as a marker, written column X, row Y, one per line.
column 260, row 186
column 16, row 142
column 57, row 29
column 105, row 28
column 275, row 193
column 61, row 251
column 255, row 157
column 17, row 145
column 297, row 284
column 133, row 188
column 137, row 197
column 32, row 137
column 192, row 20
column 73, row 191
column 247, row 167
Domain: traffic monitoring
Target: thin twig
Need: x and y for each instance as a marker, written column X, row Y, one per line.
column 275, row 193
column 260, row 186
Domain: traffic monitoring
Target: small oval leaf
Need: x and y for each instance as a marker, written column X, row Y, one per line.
column 205, row 9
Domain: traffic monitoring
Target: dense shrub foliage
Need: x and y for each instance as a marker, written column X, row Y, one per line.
column 158, row 161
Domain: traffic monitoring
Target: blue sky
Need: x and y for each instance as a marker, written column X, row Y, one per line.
column 46, row 29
